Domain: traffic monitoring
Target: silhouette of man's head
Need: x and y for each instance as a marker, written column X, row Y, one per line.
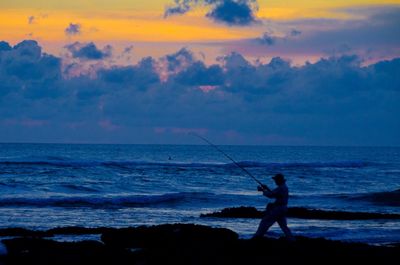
column 279, row 179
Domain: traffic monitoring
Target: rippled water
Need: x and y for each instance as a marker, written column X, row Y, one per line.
column 48, row 185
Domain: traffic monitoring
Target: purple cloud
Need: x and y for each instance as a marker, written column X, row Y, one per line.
column 31, row 20
column 73, row 29
column 128, row 49
column 180, row 7
column 374, row 36
column 88, row 51
column 267, row 39
column 295, row 32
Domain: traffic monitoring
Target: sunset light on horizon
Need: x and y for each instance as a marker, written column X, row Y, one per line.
column 125, row 21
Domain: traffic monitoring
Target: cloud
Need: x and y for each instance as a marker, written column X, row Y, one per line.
column 31, row 20
column 36, row 18
column 180, row 7
column 4, row 46
column 128, row 49
column 295, row 32
column 138, row 77
column 73, row 29
column 88, row 51
column 234, row 13
column 373, row 35
column 26, row 70
column 266, row 39
column 126, row 54
column 228, row 12
column 269, row 38
column 199, row 75
column 179, row 60
column 334, row 101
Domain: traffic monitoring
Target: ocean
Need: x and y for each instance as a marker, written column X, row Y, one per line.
column 43, row 186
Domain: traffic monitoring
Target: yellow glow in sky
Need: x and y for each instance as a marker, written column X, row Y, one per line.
column 143, row 21
column 159, row 5
column 298, row 9
column 112, row 26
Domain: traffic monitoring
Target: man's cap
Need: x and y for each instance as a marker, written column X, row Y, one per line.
column 279, row 177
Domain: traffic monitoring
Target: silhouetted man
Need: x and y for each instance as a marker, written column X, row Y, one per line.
column 276, row 211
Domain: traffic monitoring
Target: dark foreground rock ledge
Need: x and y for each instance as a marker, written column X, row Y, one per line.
column 191, row 244
column 303, row 213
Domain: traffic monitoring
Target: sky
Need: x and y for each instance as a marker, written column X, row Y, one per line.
column 258, row 72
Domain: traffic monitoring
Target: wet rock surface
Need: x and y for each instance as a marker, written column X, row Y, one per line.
column 303, row 213
column 191, row 244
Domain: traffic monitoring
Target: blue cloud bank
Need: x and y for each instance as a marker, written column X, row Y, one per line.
column 335, row 101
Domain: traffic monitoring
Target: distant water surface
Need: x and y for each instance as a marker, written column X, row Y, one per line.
column 49, row 185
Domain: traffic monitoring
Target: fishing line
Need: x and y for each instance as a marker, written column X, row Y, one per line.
column 230, row 158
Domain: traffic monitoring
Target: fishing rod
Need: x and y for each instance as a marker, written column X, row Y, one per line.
column 230, row 158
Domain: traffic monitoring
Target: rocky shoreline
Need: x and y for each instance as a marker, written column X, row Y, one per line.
column 182, row 244
column 302, row 213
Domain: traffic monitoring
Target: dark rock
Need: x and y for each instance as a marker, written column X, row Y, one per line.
column 23, row 232
column 303, row 213
column 42, row 251
column 167, row 234
column 77, row 230
column 70, row 230
column 236, row 212
column 188, row 244
column 299, row 212
column 313, row 251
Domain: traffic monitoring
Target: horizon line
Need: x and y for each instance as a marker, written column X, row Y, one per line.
column 200, row 144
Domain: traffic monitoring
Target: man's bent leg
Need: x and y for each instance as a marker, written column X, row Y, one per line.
column 283, row 225
column 267, row 221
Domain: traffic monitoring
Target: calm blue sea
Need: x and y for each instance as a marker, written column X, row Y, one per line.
column 49, row 185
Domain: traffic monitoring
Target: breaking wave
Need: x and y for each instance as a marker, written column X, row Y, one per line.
column 389, row 198
column 103, row 201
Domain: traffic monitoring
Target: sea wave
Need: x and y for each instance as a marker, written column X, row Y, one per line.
column 103, row 201
column 383, row 198
column 96, row 163
column 389, row 198
column 76, row 187
column 317, row 164
column 63, row 162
